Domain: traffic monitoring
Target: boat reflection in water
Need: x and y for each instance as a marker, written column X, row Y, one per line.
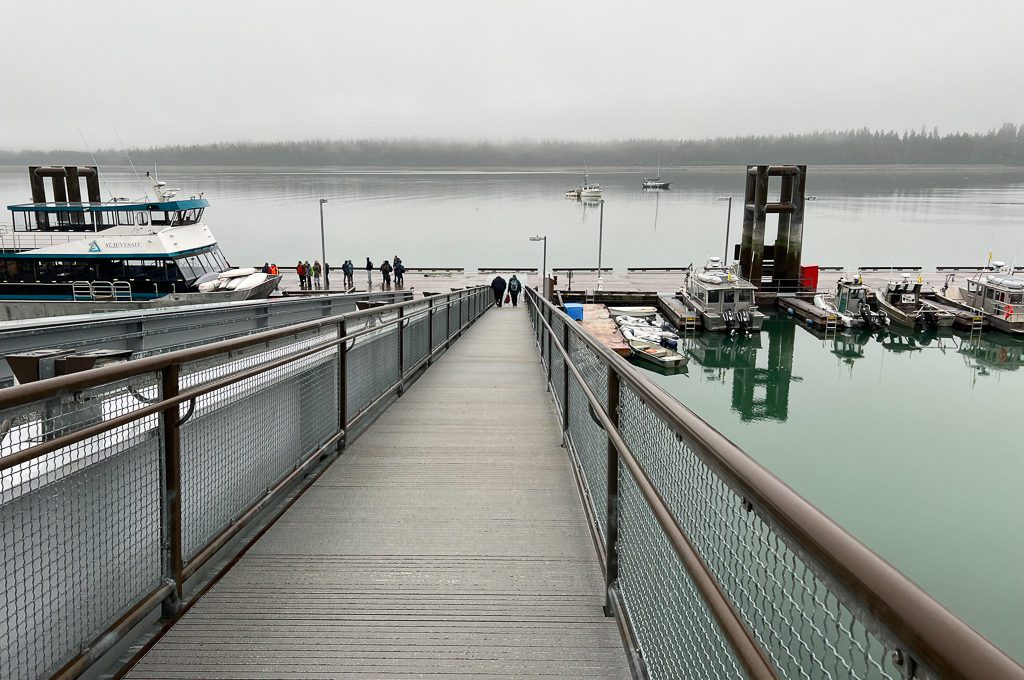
column 991, row 353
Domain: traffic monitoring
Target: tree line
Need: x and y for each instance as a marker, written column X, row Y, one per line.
column 1001, row 146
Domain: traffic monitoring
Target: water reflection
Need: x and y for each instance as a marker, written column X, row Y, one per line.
column 759, row 370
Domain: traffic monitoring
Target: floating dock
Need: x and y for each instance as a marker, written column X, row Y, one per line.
column 678, row 314
column 807, row 311
column 601, row 326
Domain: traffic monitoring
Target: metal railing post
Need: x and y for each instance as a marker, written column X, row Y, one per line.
column 430, row 330
column 565, row 380
column 401, row 351
column 342, row 386
column 611, row 574
column 549, row 350
column 170, row 506
column 461, row 297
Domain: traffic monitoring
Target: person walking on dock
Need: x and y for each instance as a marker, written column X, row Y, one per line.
column 385, row 271
column 515, row 287
column 498, row 286
column 369, row 274
column 317, row 270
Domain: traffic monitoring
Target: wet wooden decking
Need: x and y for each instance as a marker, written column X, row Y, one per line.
column 448, row 541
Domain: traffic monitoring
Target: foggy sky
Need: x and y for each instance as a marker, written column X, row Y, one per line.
column 192, row 72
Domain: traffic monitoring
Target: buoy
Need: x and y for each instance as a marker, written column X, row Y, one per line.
column 789, row 310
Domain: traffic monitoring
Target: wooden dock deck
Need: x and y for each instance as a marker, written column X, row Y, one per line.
column 448, row 541
column 601, row 325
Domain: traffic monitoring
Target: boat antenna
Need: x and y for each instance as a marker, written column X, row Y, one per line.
column 93, row 157
column 128, row 156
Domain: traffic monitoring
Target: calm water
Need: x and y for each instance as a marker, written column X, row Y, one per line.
column 913, row 445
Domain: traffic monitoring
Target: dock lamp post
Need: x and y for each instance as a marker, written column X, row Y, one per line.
column 600, row 245
column 323, row 247
column 544, row 265
column 728, row 219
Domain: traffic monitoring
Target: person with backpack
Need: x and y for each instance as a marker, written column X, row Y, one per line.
column 369, row 274
column 498, row 286
column 515, row 287
column 385, row 271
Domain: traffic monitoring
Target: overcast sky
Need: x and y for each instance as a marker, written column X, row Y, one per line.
column 187, row 71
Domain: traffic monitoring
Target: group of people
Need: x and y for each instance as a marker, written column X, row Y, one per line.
column 387, row 268
column 270, row 269
column 309, row 275
column 514, row 286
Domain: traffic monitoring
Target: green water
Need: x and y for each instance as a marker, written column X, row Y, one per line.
column 913, row 443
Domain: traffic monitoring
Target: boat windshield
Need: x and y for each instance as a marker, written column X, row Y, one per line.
column 197, row 264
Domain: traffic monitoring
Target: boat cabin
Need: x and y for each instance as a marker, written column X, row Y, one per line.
column 850, row 295
column 999, row 295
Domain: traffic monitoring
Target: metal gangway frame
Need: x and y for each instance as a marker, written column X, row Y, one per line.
column 714, row 567
column 126, row 491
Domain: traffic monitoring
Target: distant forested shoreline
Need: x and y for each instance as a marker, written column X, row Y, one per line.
column 1002, row 146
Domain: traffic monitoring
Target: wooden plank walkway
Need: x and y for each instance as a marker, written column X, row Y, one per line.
column 449, row 541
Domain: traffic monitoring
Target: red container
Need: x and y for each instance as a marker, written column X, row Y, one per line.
column 809, row 277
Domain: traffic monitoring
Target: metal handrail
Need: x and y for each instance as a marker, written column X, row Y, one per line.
column 177, row 569
column 933, row 635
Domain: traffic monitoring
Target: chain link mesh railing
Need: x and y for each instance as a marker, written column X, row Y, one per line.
column 711, row 582
column 89, row 461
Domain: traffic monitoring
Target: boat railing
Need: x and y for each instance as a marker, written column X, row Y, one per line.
column 125, row 489
column 712, row 565
column 22, row 240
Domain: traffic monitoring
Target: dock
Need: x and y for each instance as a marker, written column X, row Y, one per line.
column 806, row 311
column 602, row 327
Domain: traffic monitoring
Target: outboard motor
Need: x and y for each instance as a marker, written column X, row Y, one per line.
column 730, row 320
column 744, row 317
column 866, row 314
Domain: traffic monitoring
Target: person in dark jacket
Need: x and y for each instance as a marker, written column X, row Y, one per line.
column 399, row 273
column 385, row 271
column 369, row 273
column 515, row 287
column 498, row 286
column 348, row 269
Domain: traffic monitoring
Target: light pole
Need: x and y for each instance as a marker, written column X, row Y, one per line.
column 323, row 247
column 544, row 266
column 600, row 245
column 728, row 220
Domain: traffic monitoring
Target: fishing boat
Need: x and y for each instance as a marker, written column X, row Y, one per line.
column 590, row 189
column 724, row 301
column 70, row 256
column 655, row 182
column 902, row 302
column 999, row 295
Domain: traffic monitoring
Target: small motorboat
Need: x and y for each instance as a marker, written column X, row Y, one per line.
column 826, row 303
column 655, row 354
column 902, row 301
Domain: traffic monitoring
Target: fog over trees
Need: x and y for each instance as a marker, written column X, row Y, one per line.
column 1002, row 146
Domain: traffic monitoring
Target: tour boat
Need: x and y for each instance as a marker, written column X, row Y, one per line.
column 724, row 301
column 69, row 256
column 590, row 189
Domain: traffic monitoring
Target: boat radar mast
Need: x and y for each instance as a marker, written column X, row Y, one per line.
column 163, row 192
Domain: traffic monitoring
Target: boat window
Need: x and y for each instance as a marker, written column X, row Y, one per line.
column 110, row 270
column 989, row 293
column 730, row 297
column 712, row 296
column 972, row 286
column 744, row 296
column 199, row 214
column 186, row 269
column 161, row 217
column 124, row 218
column 141, row 219
column 1017, row 298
